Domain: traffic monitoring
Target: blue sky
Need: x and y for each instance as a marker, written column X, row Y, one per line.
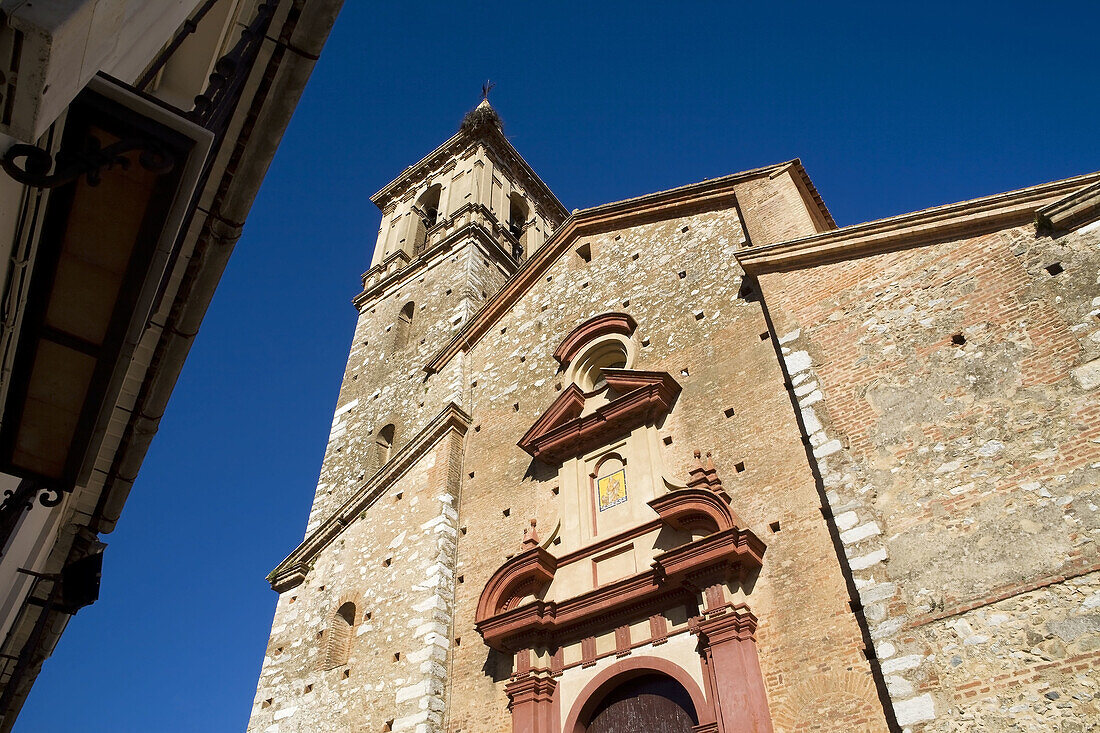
column 892, row 107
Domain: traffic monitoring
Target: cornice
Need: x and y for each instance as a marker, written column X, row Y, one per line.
column 712, row 195
column 732, row 622
column 395, row 188
column 1079, row 208
column 811, row 190
column 496, row 143
column 673, row 576
column 385, row 264
column 473, row 229
column 929, row 226
column 293, row 570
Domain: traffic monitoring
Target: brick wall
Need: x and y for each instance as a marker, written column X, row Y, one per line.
column 946, row 393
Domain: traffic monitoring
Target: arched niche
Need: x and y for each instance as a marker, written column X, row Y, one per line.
column 592, row 329
column 426, row 210
column 525, row 574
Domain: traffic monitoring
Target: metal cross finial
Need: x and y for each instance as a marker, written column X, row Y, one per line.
column 486, row 88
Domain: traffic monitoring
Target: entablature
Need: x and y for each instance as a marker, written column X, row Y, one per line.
column 677, row 576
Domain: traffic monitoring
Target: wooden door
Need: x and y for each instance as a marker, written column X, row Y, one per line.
column 649, row 704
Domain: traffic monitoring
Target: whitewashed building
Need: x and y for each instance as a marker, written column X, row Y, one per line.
column 134, row 136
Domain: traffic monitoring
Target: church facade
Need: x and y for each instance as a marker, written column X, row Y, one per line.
column 703, row 461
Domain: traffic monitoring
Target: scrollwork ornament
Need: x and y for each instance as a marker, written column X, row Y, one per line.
column 10, row 498
column 45, row 498
column 31, row 165
column 22, row 499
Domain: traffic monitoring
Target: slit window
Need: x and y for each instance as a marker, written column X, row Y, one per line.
column 403, row 328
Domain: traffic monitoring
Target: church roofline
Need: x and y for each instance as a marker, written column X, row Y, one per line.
column 927, row 226
column 1077, row 209
column 940, row 223
column 681, row 201
column 497, row 142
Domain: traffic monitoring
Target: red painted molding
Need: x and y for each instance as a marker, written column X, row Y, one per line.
column 524, row 574
column 607, row 543
column 676, row 577
column 531, row 700
column 658, row 628
column 731, row 552
column 607, row 680
column 531, row 688
column 588, row 651
column 554, row 439
column 563, row 410
column 735, row 684
column 622, row 641
column 693, row 509
column 728, row 623
column 593, row 328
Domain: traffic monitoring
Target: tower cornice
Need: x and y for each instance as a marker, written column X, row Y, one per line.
column 396, row 269
column 497, row 145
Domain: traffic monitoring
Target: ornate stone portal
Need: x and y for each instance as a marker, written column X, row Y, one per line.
column 651, row 573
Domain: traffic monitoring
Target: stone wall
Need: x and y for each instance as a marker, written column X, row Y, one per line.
column 395, row 563
column 382, row 385
column 398, row 558
column 948, row 394
column 913, row 434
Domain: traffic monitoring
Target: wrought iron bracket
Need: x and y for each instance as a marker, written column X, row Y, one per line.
column 21, row 499
column 23, row 496
column 214, row 107
column 32, row 165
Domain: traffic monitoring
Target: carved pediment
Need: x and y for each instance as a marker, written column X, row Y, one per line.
column 525, row 574
column 593, row 328
column 637, row 398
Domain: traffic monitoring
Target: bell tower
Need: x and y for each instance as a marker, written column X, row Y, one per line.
column 476, row 176
column 361, row 629
column 455, row 226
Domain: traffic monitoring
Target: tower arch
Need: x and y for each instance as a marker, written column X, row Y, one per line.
column 402, row 328
column 339, row 632
column 426, row 210
column 383, row 445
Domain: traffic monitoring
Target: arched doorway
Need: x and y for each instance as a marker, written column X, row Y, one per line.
column 651, row 702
